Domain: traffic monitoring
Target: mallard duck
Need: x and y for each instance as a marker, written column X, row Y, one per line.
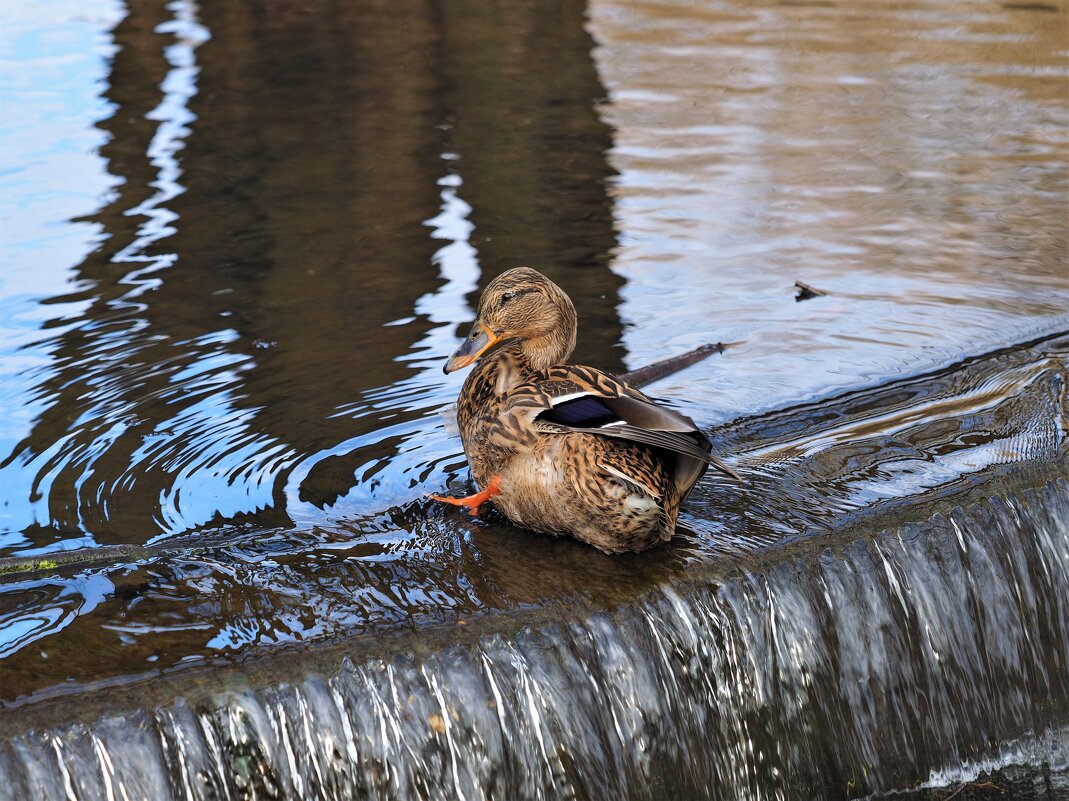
column 561, row 448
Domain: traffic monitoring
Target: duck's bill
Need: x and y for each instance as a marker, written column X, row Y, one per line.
column 480, row 340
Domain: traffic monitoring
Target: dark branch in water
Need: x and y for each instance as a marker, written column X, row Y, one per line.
column 806, row 292
column 82, row 557
column 658, row 370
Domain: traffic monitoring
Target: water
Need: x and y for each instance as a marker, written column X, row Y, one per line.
column 866, row 665
column 238, row 246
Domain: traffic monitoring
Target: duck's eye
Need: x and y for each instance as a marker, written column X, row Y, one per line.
column 507, row 296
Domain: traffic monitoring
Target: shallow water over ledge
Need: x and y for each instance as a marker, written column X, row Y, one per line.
column 869, row 665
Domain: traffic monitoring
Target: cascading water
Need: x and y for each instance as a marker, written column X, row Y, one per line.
column 869, row 665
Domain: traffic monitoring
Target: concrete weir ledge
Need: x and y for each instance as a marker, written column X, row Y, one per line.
column 884, row 643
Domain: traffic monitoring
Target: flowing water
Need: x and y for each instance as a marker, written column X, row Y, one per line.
column 238, row 244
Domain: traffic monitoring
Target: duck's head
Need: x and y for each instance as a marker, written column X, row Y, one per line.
column 521, row 305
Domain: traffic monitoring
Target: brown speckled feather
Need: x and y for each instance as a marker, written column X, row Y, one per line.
column 614, row 494
column 578, row 451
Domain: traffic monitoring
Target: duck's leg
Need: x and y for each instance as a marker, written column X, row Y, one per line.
column 473, row 502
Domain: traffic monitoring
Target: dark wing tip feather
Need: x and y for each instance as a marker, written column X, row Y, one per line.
column 636, row 418
column 673, row 441
column 687, row 444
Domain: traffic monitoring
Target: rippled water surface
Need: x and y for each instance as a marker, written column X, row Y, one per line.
column 239, row 242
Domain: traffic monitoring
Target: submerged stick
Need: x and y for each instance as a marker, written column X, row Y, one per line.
column 11, row 566
column 673, row 364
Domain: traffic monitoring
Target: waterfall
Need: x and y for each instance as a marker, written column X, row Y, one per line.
column 869, row 665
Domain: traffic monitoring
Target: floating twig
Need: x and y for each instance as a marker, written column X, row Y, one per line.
column 673, row 364
column 806, row 292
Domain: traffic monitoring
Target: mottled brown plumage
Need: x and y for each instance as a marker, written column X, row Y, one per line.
column 576, row 450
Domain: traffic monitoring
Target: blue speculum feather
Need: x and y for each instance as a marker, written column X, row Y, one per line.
column 587, row 412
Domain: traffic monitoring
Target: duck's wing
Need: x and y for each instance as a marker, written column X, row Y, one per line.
column 586, row 400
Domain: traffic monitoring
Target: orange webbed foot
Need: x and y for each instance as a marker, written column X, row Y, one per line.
column 473, row 502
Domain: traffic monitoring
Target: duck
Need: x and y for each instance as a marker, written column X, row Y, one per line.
column 566, row 449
